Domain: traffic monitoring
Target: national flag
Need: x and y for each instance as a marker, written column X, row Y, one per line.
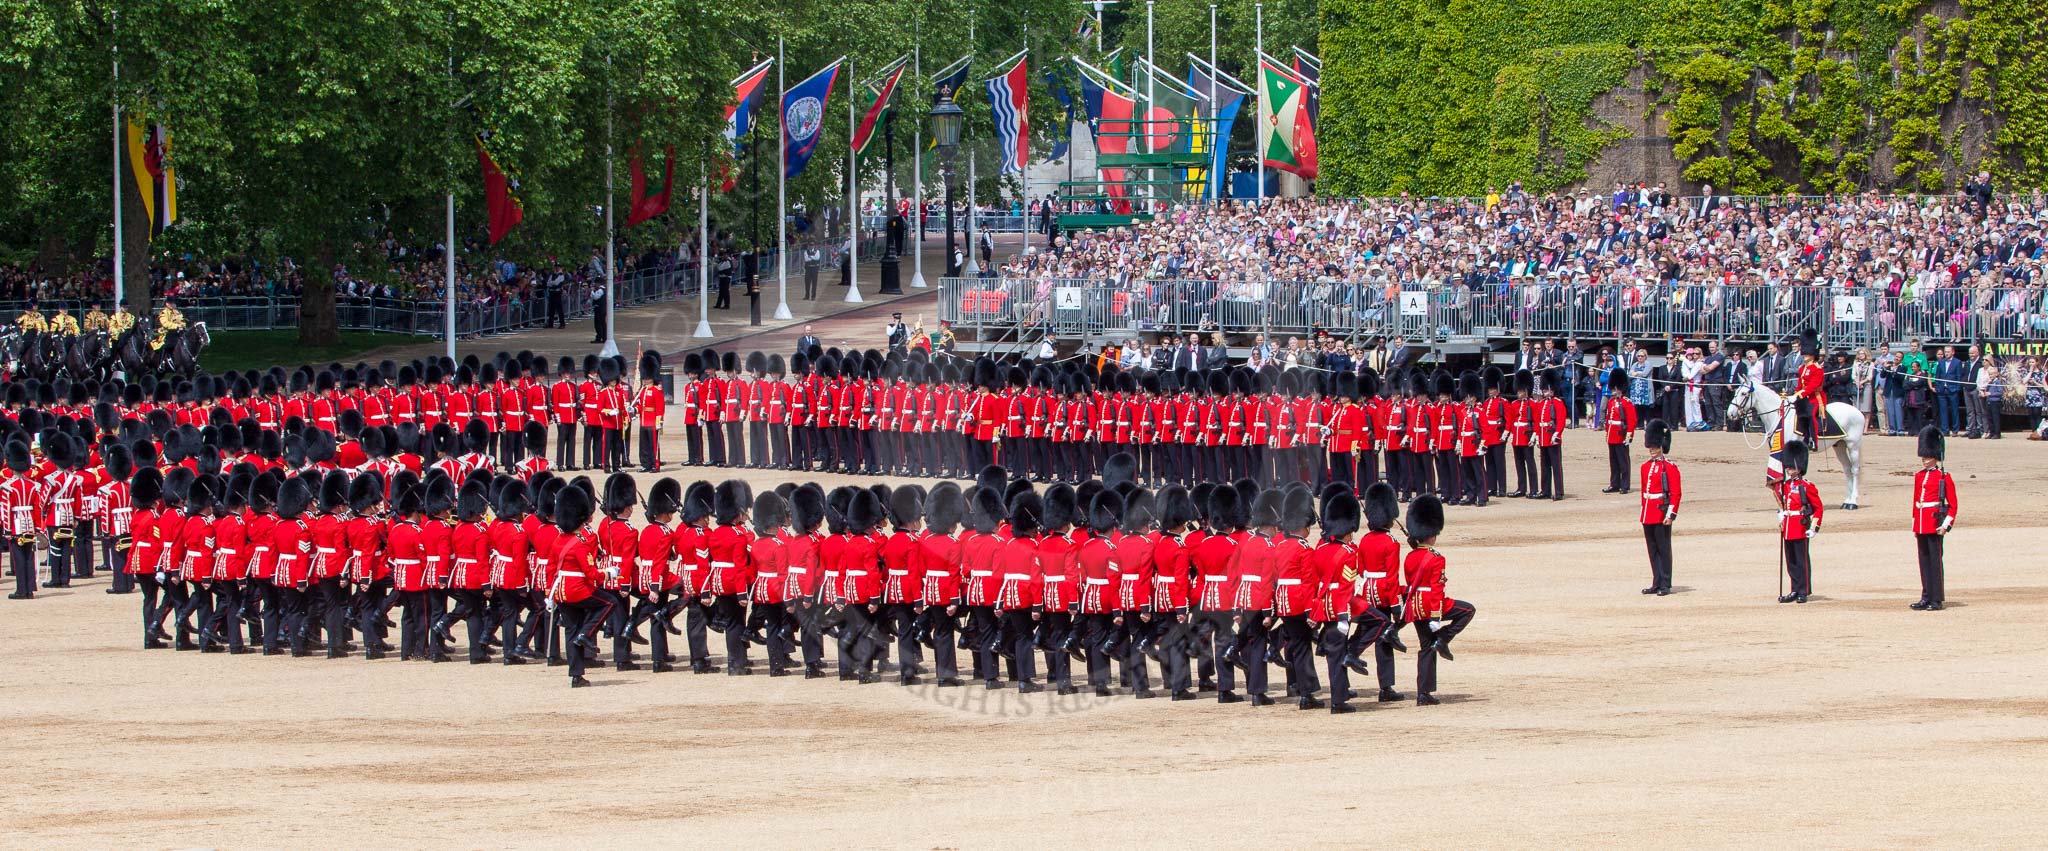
column 1009, row 100
column 803, row 117
column 1287, row 136
column 1118, row 65
column 504, row 209
column 1226, row 97
column 645, row 206
column 1310, row 69
column 1059, row 93
column 747, row 89
column 148, row 157
column 878, row 105
column 1169, row 110
column 947, row 83
column 1109, row 110
column 1086, row 28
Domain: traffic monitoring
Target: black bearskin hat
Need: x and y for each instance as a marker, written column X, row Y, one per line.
column 1105, row 512
column 1381, row 509
column 1657, row 435
column 1266, row 508
column 1176, row 510
column 696, row 502
column 944, row 507
column 1794, row 456
column 572, row 509
column 1297, row 509
column 1025, row 511
column 365, row 491
column 293, row 497
column 1340, row 516
column 906, row 506
column 806, row 509
column 620, row 494
column 664, row 498
column 1425, row 519
column 864, row 512
column 1062, row 507
column 1932, row 444
column 731, row 499
column 1118, row 469
column 770, row 514
column 1227, row 513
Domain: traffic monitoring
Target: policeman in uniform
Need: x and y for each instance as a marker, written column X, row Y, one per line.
column 1934, row 513
column 32, row 320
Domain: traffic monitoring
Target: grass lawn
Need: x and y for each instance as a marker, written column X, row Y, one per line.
column 264, row 349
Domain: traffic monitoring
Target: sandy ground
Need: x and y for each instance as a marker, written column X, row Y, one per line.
column 1578, row 712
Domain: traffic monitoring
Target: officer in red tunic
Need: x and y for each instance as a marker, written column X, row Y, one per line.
column 1799, row 518
column 1662, row 491
column 1551, row 419
column 1438, row 617
column 650, row 406
column 1619, row 420
column 1934, row 512
column 1809, row 390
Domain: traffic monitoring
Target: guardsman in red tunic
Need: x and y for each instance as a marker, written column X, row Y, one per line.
column 536, row 460
column 512, row 566
column 1551, row 421
column 777, row 392
column 1377, row 594
column 589, row 408
column 805, row 572
column 1934, row 512
column 1422, row 433
column 1493, row 429
column 650, row 407
column 859, row 558
column 1662, row 491
column 1448, row 417
column 1521, row 428
column 1799, row 518
column 469, row 546
column 653, row 552
column 260, row 588
column 618, row 554
column 1471, row 418
column 114, row 513
column 562, row 408
column 21, row 500
column 938, row 577
column 1095, row 564
column 293, row 549
column 1619, row 420
column 1212, row 560
column 145, row 490
column 512, row 413
column 1130, row 602
column 692, row 559
column 1016, row 565
column 577, row 592
column 1438, row 617
column 1335, row 566
column 1252, row 572
column 768, row 552
column 902, row 568
column 330, row 546
column 732, row 572
column 989, row 415
column 436, row 544
column 1168, row 639
column 1297, row 580
column 370, row 568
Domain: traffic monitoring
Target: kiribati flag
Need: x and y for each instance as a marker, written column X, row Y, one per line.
column 1009, row 97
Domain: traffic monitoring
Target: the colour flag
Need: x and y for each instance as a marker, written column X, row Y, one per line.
column 504, row 209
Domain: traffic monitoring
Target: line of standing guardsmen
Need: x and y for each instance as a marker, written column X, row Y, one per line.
column 237, row 548
column 864, row 413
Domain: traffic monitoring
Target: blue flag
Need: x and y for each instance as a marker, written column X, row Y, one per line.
column 1059, row 93
column 803, row 118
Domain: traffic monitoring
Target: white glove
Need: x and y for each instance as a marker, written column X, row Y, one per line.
column 1436, row 624
column 1945, row 524
column 1344, row 628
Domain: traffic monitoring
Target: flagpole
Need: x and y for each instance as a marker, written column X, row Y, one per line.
column 1218, row 148
column 119, row 294
column 968, row 269
column 1259, row 37
column 611, row 277
column 917, row 167
column 703, row 252
column 1151, row 103
column 852, row 191
column 781, row 193
column 448, row 245
column 1024, row 228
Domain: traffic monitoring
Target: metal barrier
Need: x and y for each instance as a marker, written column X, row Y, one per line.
column 1093, row 309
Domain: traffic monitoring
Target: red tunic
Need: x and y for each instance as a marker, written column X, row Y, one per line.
column 939, row 564
column 732, row 572
column 1379, row 562
column 1934, row 501
column 1131, row 588
column 1016, row 563
column 1169, row 574
column 576, row 571
column 1297, row 578
column 1424, row 573
column 860, row 567
column 902, row 567
column 511, row 555
column 1335, row 568
column 1801, row 507
column 1620, row 421
column 1661, row 491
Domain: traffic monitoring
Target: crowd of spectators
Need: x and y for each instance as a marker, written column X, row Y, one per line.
column 1639, row 261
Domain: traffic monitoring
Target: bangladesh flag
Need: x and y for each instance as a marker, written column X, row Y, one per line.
column 1169, row 111
column 1287, row 135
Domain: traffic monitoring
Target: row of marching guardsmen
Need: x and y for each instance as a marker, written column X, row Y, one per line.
column 1209, row 584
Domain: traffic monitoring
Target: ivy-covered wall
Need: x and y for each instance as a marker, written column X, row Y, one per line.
column 1453, row 96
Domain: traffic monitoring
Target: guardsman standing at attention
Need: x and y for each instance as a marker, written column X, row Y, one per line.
column 1934, row 513
column 1799, row 517
column 650, row 407
column 1661, row 494
column 1620, row 422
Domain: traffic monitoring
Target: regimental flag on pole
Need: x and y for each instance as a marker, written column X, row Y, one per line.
column 1226, row 97
column 880, row 99
column 643, row 205
column 803, row 117
column 504, row 209
column 1009, row 100
column 1287, row 135
column 1059, row 93
column 148, row 157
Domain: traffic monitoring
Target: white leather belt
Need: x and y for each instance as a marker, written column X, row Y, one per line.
column 1287, row 582
column 1425, row 588
column 1129, row 576
column 894, row 572
column 718, row 564
column 1657, row 495
column 1791, row 513
column 405, row 561
column 576, row 573
column 227, row 552
column 981, row 573
column 1936, row 504
column 799, row 570
column 325, row 550
column 1054, row 578
column 937, row 573
column 1094, row 581
column 1009, row 576
column 1373, row 575
column 1249, row 578
column 1208, row 578
column 644, row 562
column 856, row 573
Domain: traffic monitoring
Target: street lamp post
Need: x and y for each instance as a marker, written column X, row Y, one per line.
column 946, row 120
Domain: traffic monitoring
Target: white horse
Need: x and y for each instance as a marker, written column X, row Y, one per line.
column 1755, row 398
